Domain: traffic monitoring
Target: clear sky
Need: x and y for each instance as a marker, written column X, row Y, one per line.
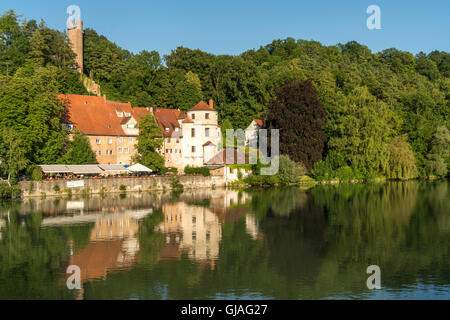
column 231, row 26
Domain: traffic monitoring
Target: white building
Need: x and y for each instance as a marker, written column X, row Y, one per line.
column 190, row 138
column 251, row 133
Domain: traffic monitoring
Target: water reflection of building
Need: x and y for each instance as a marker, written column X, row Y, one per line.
column 113, row 245
column 194, row 225
column 252, row 227
column 192, row 229
column 2, row 224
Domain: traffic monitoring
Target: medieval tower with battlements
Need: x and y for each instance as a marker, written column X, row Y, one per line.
column 75, row 32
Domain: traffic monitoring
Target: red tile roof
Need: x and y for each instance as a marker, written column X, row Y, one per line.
column 182, row 115
column 187, row 120
column 258, row 122
column 230, row 157
column 208, row 143
column 97, row 116
column 167, row 118
column 202, row 105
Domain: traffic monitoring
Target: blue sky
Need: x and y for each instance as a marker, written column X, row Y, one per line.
column 231, row 27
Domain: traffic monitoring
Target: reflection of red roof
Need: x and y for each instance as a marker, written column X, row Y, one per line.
column 258, row 122
column 97, row 258
column 97, row 116
column 202, row 105
column 167, row 118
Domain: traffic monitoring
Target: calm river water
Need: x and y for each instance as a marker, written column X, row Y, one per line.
column 279, row 243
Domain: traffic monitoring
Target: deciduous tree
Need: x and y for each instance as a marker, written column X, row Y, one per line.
column 297, row 112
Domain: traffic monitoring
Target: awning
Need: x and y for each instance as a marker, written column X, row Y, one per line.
column 54, row 168
column 85, row 169
column 139, row 168
column 113, row 167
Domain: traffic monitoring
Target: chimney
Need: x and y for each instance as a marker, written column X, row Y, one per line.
column 211, row 104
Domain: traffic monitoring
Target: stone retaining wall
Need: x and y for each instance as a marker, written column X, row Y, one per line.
column 125, row 184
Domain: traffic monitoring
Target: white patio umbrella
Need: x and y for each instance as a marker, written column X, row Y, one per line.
column 139, row 168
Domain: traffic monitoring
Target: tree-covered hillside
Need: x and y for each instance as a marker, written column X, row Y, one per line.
column 369, row 98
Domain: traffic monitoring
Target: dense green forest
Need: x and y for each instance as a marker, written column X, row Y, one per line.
column 387, row 113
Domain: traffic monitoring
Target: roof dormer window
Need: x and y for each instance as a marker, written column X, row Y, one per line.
column 127, row 114
column 120, row 114
column 167, row 129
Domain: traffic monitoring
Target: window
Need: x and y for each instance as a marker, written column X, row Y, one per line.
column 193, row 132
column 127, row 114
column 110, row 152
column 206, row 116
column 167, row 150
column 130, row 126
column 194, row 235
column 97, row 141
column 193, row 116
column 126, row 150
column 120, row 150
column 109, row 141
column 99, row 152
column 193, row 149
column 120, row 139
column 207, row 132
column 131, row 139
column 177, row 129
column 167, row 129
column 194, row 219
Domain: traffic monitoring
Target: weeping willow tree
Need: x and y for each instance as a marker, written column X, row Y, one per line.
column 401, row 163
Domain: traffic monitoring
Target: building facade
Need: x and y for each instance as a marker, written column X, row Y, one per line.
column 110, row 126
column 190, row 138
column 251, row 133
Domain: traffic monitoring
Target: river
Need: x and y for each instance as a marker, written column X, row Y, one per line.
column 277, row 243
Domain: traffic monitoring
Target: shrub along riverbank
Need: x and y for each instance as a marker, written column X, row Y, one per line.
column 292, row 173
column 9, row 192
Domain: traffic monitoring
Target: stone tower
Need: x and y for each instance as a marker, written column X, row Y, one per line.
column 75, row 32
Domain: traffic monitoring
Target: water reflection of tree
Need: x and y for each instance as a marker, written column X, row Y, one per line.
column 277, row 201
column 32, row 258
column 316, row 244
column 392, row 225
